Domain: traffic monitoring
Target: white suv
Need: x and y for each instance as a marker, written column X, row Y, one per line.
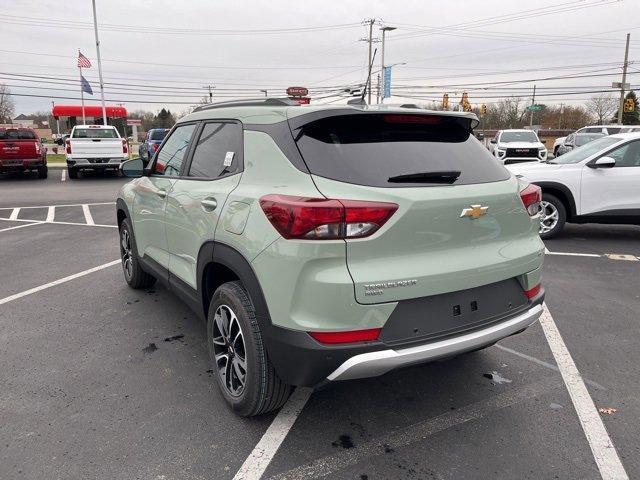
column 595, row 183
column 605, row 129
column 517, row 146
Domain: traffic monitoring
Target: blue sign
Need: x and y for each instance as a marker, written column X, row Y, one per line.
column 387, row 82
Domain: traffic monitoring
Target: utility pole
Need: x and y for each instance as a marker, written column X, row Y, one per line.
column 53, row 104
column 370, row 40
column 384, row 31
column 210, row 88
column 560, row 116
column 624, row 79
column 95, row 29
column 533, row 102
column 378, row 94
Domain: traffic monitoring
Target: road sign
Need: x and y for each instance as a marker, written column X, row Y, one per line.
column 619, row 85
column 302, row 100
column 535, row 108
column 297, row 91
column 134, row 121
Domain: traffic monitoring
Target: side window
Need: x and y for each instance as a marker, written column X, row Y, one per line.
column 627, row 155
column 569, row 139
column 217, row 151
column 170, row 157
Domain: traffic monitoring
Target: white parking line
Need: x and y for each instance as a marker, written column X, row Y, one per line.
column 59, row 223
column 604, row 452
column 570, row 254
column 63, row 205
column 20, row 226
column 63, row 176
column 259, row 459
column 14, row 214
column 51, row 213
column 87, row 215
column 57, row 282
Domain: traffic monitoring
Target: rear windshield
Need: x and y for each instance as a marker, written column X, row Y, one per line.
column 94, row 133
column 15, row 134
column 370, row 149
column 158, row 134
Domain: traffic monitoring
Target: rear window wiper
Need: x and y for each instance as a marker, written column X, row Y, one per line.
column 436, row 176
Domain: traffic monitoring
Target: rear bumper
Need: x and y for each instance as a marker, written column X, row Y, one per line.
column 378, row 363
column 94, row 164
column 302, row 361
column 21, row 164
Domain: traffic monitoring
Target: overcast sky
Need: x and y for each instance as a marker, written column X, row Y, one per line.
column 447, row 46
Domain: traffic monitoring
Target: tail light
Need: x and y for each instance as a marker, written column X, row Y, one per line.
column 125, row 147
column 37, row 145
column 67, row 144
column 532, row 292
column 155, row 146
column 531, row 197
column 353, row 336
column 307, row 218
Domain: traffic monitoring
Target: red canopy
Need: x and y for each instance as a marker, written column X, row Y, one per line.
column 89, row 111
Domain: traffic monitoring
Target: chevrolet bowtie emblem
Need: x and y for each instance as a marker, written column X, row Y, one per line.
column 475, row 211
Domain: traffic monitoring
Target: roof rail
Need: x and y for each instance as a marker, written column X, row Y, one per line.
column 251, row 102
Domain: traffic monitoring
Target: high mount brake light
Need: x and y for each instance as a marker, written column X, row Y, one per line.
column 354, row 336
column 531, row 197
column 424, row 119
column 307, row 218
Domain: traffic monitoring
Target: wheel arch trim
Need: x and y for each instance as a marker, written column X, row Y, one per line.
column 571, row 211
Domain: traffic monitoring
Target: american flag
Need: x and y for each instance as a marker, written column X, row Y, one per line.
column 83, row 62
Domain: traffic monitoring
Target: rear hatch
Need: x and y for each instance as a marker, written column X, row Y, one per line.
column 95, row 143
column 432, row 244
column 18, row 144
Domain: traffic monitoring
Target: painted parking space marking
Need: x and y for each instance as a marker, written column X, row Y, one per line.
column 604, row 452
column 60, row 281
column 20, row 226
column 14, row 214
column 88, row 219
column 63, row 175
column 621, row 256
column 59, row 223
column 324, row 467
column 610, row 256
column 262, row 454
column 51, row 214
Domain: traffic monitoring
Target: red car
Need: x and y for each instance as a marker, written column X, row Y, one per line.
column 21, row 151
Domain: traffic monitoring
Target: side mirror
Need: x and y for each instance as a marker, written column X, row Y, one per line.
column 132, row 168
column 604, row 162
column 543, row 141
column 493, row 140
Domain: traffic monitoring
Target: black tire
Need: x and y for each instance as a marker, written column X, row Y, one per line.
column 42, row 172
column 553, row 203
column 555, row 151
column 134, row 275
column 263, row 390
column 73, row 173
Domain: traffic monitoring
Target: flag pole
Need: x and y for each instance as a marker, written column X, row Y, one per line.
column 84, row 120
column 95, row 28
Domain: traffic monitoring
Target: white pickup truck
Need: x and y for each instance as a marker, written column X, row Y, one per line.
column 95, row 147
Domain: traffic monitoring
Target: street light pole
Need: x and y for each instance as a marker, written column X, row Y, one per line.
column 95, row 29
column 384, row 31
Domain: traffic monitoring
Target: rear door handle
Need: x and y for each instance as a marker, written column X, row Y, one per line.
column 209, row 204
column 162, row 193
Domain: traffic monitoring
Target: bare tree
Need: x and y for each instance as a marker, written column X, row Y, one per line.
column 602, row 107
column 7, row 106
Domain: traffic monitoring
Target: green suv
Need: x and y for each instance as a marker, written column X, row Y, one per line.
column 331, row 243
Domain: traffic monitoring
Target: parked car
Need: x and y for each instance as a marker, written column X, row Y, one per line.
column 22, row 151
column 603, row 129
column 577, row 140
column 596, row 183
column 152, row 141
column 95, row 147
column 516, row 146
column 314, row 258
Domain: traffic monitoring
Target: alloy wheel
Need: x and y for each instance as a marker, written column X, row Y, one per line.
column 229, row 350
column 549, row 217
column 125, row 252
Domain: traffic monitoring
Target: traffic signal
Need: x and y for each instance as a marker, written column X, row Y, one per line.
column 483, row 109
column 445, row 101
column 629, row 105
column 464, row 102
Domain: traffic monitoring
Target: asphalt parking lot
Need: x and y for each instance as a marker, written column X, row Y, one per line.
column 101, row 381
